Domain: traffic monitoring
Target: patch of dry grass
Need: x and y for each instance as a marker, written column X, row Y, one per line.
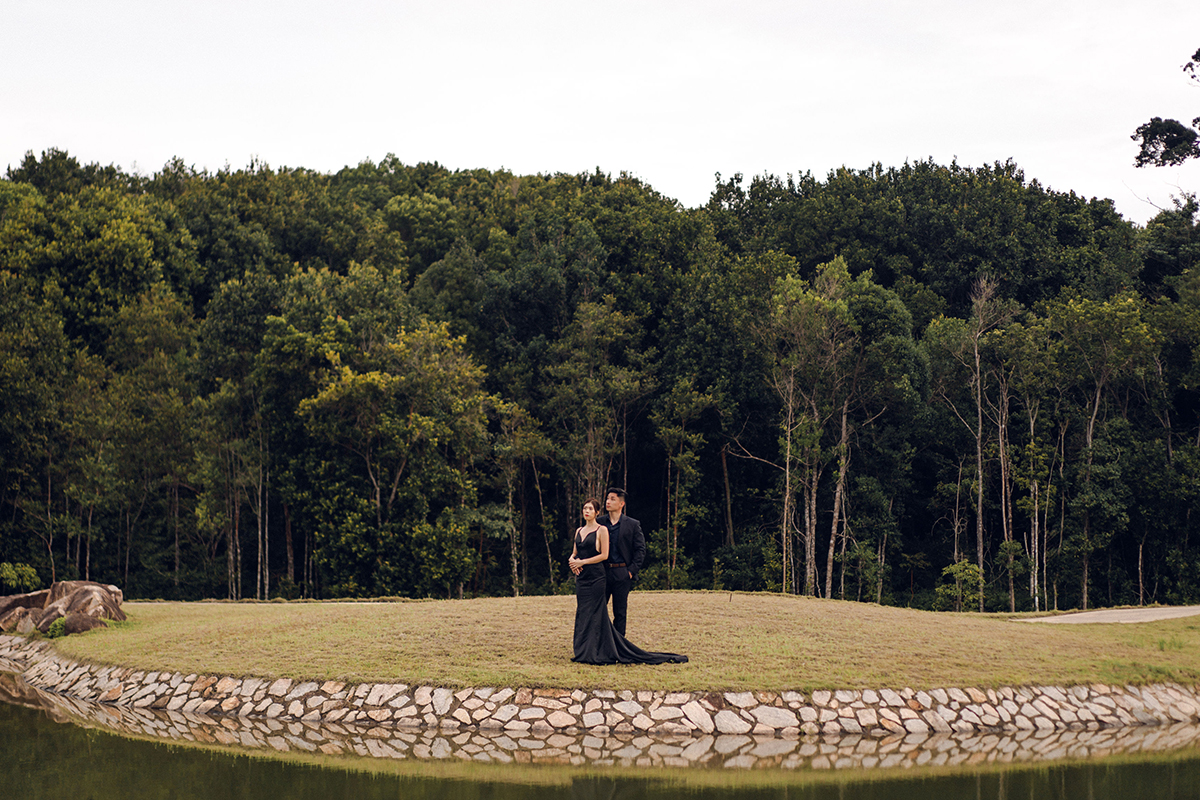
column 735, row 642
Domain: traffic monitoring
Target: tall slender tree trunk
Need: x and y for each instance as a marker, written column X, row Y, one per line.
column 266, row 533
column 814, row 471
column 87, row 564
column 845, row 538
column 882, row 562
column 979, row 469
column 229, row 552
column 78, row 550
column 1035, row 553
column 175, row 520
column 1089, row 440
column 537, row 482
column 674, row 559
column 237, row 544
column 287, row 541
column 131, row 518
column 1006, row 505
column 310, row 582
column 1141, row 584
column 838, row 493
column 50, row 522
column 811, row 573
column 524, row 537
column 510, row 473
column 728, row 497
column 1062, row 508
column 1035, row 506
column 258, row 550
column 786, row 522
column 128, row 546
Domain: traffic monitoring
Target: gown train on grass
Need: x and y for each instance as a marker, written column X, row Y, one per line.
column 596, row 640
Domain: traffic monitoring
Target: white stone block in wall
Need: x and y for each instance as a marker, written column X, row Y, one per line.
column 699, row 717
column 775, row 717
column 728, row 722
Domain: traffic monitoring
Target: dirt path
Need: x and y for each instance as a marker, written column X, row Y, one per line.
column 1120, row 615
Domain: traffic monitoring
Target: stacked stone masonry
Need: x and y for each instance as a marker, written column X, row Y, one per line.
column 520, row 711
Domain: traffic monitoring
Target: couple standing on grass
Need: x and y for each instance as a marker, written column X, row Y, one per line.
column 607, row 555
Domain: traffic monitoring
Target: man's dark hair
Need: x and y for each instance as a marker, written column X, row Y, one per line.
column 618, row 492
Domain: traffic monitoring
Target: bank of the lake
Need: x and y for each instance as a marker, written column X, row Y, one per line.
column 763, row 665
column 507, row 756
column 527, row 732
column 518, row 710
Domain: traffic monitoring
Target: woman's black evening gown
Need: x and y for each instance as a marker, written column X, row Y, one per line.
column 596, row 640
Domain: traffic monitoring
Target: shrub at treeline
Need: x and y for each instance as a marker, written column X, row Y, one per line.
column 931, row 385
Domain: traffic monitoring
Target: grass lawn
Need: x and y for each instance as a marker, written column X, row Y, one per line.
column 735, row 642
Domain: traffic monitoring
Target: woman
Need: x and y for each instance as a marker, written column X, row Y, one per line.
column 596, row 640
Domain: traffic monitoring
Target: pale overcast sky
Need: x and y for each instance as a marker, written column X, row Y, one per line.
column 671, row 92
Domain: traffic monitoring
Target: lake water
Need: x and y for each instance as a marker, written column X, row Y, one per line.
column 57, row 748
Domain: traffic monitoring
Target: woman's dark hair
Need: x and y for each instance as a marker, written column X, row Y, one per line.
column 595, row 504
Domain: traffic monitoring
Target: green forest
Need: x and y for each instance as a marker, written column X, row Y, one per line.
column 929, row 385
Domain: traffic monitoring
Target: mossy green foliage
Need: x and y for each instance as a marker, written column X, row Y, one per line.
column 21, row 577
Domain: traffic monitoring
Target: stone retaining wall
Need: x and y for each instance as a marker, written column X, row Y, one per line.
column 599, row 712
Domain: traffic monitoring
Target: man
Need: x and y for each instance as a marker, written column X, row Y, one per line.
column 626, row 551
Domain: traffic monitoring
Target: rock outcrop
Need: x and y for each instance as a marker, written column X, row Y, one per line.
column 35, row 600
column 19, row 620
column 85, row 605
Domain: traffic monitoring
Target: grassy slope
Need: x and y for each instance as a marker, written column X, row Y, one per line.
column 735, row 641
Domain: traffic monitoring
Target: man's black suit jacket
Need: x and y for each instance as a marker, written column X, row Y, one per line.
column 631, row 544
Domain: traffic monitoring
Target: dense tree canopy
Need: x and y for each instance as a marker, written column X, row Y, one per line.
column 931, row 385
